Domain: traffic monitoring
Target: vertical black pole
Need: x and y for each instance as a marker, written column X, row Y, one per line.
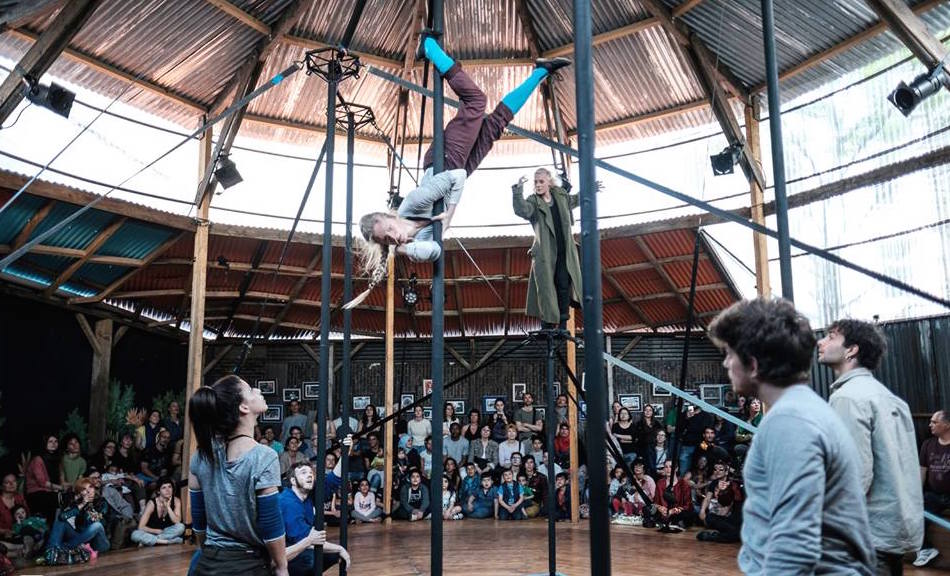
column 778, row 151
column 438, row 319
column 333, row 77
column 550, row 423
column 593, row 299
column 347, row 324
column 684, row 366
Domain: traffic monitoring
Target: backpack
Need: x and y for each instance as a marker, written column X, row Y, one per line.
column 64, row 556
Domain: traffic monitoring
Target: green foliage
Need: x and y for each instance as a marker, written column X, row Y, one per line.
column 162, row 401
column 76, row 424
column 121, row 400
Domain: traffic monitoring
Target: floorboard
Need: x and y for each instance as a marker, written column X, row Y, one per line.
column 484, row 547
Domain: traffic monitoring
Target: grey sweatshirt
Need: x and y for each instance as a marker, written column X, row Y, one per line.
column 883, row 430
column 418, row 204
column 805, row 510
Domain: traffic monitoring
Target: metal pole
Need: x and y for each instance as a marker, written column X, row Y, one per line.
column 593, row 299
column 333, row 76
column 778, row 152
column 550, row 423
column 347, row 325
column 684, row 365
column 438, row 318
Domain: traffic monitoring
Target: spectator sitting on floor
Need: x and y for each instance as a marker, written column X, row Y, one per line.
column 454, row 446
column 532, row 507
column 720, row 513
column 81, row 521
column 451, row 471
column 620, row 488
column 426, row 457
column 484, row 452
column 157, row 462
column 290, row 457
column 272, row 440
column 472, row 431
column 161, row 522
column 674, row 505
column 562, row 446
column 450, row 509
column 658, row 454
column 42, row 473
column 537, row 449
column 499, row 429
column 725, row 435
column 617, row 477
column 562, row 497
column 414, row 503
column 510, row 499
column 646, row 483
column 297, row 511
column 364, row 505
column 536, row 481
column 470, row 482
column 419, row 428
column 935, row 475
column 481, row 503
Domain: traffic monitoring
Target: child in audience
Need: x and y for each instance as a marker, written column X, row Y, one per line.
column 481, row 502
column 469, row 483
column 562, row 496
column 510, row 499
column 364, row 505
column 531, row 505
column 450, row 510
column 413, row 499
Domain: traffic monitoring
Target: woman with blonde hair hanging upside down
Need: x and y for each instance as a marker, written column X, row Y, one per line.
column 469, row 136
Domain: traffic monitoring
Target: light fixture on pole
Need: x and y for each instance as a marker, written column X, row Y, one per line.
column 906, row 98
column 409, row 295
column 723, row 162
column 226, row 173
column 53, row 97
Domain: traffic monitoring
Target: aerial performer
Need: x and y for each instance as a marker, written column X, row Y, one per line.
column 469, row 137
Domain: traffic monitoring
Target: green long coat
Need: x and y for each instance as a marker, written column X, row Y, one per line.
column 542, row 294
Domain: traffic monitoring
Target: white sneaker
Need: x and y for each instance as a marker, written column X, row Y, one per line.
column 925, row 556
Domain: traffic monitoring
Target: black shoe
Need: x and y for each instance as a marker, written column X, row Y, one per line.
column 426, row 33
column 552, row 65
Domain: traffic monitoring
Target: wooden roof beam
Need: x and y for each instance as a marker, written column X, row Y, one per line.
column 913, row 32
column 626, row 298
column 660, row 270
column 90, row 249
column 623, row 31
column 31, row 225
column 685, row 7
column 241, row 15
column 74, row 253
column 295, row 291
column 37, row 60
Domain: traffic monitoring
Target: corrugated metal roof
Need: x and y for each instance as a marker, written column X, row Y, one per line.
column 14, row 218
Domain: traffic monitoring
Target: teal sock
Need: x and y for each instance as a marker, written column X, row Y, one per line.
column 517, row 97
column 437, row 56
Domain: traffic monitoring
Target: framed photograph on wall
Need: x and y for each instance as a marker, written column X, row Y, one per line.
column 361, row 402
column 582, row 412
column 539, row 414
column 517, row 391
column 557, row 388
column 657, row 410
column 274, row 413
column 657, row 391
column 291, row 394
column 427, row 413
column 381, row 411
column 711, row 393
column 459, row 406
column 311, row 390
column 427, row 386
column 406, row 400
column 267, row 386
column 631, row 402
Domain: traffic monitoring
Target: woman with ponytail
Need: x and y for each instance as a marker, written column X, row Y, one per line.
column 233, row 485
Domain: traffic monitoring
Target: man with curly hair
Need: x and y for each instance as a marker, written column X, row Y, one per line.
column 883, row 431
column 805, row 510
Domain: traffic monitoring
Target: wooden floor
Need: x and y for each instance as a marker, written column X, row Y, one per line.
column 483, row 547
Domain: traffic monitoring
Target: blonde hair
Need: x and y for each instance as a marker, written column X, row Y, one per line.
column 373, row 256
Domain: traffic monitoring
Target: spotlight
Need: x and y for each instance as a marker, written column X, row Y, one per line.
column 223, row 262
column 409, row 295
column 227, row 173
column 394, row 199
column 906, row 98
column 723, row 162
column 53, row 97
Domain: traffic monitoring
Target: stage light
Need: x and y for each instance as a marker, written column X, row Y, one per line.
column 53, row 97
column 409, row 295
column 227, row 173
column 906, row 98
column 723, row 162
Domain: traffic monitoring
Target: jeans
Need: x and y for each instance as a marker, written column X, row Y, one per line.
column 64, row 534
column 148, row 539
column 480, row 512
column 375, row 478
column 630, row 457
column 302, row 565
column 376, row 513
column 518, row 514
column 686, row 457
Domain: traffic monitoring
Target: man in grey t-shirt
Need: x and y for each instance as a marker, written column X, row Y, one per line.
column 805, row 508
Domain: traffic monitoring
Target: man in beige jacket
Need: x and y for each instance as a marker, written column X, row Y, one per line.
column 883, row 432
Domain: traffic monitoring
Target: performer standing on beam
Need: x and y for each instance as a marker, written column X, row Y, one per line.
column 469, row 136
column 233, row 485
column 555, row 280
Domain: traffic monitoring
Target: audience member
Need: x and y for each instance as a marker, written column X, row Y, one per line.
column 290, row 457
column 455, row 446
column 526, row 421
column 80, row 522
column 426, row 457
column 753, row 416
column 152, row 425
column 883, row 431
column 157, row 461
column 296, row 508
column 481, row 503
column 102, row 459
column 531, row 505
column 451, row 471
column 560, row 408
column 364, row 505
column 368, row 418
column 626, row 434
column 657, row 454
column 510, row 499
column 473, row 429
column 448, row 418
column 509, row 446
column 708, row 450
column 414, row 501
column 172, row 422
column 484, row 452
column 161, row 521
column 720, row 514
column 272, row 440
column 10, row 498
column 562, row 496
column 725, row 435
column 692, row 435
column 450, row 509
column 805, row 512
column 647, row 428
column 41, row 492
column 562, row 446
column 419, row 428
column 935, row 475
column 499, row 420
column 72, row 466
column 674, row 504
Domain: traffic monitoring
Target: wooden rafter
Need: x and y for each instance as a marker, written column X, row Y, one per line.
column 246, row 283
column 47, row 48
column 627, row 299
column 126, row 277
column 685, row 7
column 90, row 249
column 295, row 291
column 75, row 253
column 30, row 226
column 461, row 359
column 913, row 32
column 26, row 10
column 241, row 15
column 660, row 270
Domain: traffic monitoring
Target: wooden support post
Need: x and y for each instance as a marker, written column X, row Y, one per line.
column 100, row 340
column 199, row 274
column 44, row 52
column 572, row 422
column 762, row 284
column 390, row 367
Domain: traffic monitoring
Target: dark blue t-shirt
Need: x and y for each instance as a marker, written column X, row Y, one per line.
column 298, row 516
